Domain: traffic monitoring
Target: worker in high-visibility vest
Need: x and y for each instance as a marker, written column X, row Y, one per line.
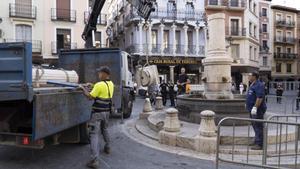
column 102, row 94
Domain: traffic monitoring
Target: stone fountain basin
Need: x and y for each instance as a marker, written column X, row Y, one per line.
column 190, row 106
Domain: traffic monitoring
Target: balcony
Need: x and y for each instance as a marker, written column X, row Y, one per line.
column 229, row 4
column 285, row 56
column 167, row 50
column 264, row 49
column 55, row 49
column 22, row 11
column 284, row 23
column 169, row 15
column 36, row 44
column 63, row 15
column 285, row 40
column 235, row 32
column 102, row 19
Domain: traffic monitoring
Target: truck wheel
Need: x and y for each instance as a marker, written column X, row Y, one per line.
column 127, row 108
column 84, row 133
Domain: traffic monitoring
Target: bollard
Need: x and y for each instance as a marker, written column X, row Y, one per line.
column 147, row 109
column 159, row 103
column 206, row 140
column 171, row 128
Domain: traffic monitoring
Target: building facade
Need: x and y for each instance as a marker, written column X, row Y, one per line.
column 173, row 37
column 285, row 57
column 48, row 25
column 242, row 34
column 266, row 40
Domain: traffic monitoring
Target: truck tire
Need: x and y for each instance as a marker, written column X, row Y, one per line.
column 84, row 133
column 127, row 107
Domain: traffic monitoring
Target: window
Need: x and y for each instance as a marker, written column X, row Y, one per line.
column 178, row 41
column 171, row 8
column 250, row 52
column 278, row 17
column 190, row 40
column 278, row 50
column 279, row 36
column 265, row 61
column 264, row 27
column 250, row 28
column 166, row 39
column 154, row 37
column 250, row 6
column 254, row 52
column 254, row 8
column 265, row 44
column 190, row 10
column 289, row 68
column 254, row 30
column 63, row 39
column 98, row 39
column 235, row 51
column 289, row 19
column 264, row 12
column 289, row 50
column 23, row 33
column 234, row 27
column 278, row 67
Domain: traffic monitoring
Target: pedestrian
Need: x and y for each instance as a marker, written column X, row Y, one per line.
column 183, row 79
column 102, row 94
column 233, row 88
column 279, row 93
column 256, row 106
column 172, row 94
column 153, row 91
column 241, row 88
column 164, row 88
column 298, row 98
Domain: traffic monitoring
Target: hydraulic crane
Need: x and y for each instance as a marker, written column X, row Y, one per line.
column 144, row 8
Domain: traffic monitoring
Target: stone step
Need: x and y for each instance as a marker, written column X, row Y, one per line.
column 142, row 127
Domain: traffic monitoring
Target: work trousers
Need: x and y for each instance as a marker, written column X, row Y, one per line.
column 164, row 98
column 258, row 127
column 98, row 122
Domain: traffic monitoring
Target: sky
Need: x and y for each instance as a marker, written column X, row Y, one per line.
column 290, row 3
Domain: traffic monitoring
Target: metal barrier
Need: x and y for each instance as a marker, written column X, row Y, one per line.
column 277, row 104
column 281, row 145
column 296, row 105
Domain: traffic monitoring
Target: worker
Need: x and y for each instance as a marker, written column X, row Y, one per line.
column 256, row 106
column 102, row 94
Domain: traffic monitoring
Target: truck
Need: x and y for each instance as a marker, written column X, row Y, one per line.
column 33, row 117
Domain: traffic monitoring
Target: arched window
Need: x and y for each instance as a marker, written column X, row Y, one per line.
column 23, row 33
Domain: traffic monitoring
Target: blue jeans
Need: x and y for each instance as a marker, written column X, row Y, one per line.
column 258, row 127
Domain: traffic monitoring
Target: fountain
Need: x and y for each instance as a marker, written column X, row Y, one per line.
column 217, row 95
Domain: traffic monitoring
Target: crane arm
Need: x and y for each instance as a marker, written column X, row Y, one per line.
column 144, row 7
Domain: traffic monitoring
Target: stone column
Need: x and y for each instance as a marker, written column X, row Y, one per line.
column 149, row 39
column 140, row 44
column 217, row 64
column 159, row 103
column 172, row 74
column 174, row 39
column 205, row 41
column 185, row 28
column 171, row 128
column 206, row 140
column 197, row 40
column 147, row 109
column 162, row 27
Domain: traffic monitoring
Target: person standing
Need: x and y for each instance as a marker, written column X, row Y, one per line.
column 182, row 81
column 279, row 93
column 172, row 94
column 102, row 94
column 164, row 92
column 153, row 91
column 256, row 106
column 241, row 88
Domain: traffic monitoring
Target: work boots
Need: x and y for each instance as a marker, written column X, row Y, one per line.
column 94, row 164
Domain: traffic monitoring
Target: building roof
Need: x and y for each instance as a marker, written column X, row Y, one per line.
column 284, row 8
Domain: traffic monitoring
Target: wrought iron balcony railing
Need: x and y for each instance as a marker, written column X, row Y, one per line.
column 235, row 31
column 285, row 56
column 63, row 15
column 22, row 11
column 55, row 48
column 227, row 3
column 102, row 19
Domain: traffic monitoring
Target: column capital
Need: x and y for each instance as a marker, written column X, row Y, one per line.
column 174, row 26
column 197, row 28
column 162, row 25
column 185, row 27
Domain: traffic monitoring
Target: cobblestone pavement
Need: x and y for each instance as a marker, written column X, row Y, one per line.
column 126, row 154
